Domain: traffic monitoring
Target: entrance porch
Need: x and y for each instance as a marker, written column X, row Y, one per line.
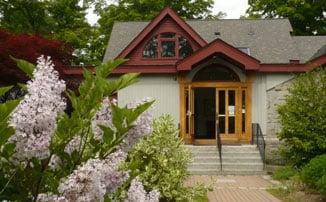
column 215, row 98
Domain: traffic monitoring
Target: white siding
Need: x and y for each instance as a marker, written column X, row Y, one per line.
column 263, row 82
column 163, row 88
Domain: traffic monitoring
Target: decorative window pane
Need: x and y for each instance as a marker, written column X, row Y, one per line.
column 167, row 35
column 215, row 72
column 184, row 48
column 150, row 50
column 168, row 48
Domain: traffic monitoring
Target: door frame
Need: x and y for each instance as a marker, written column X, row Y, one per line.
column 185, row 123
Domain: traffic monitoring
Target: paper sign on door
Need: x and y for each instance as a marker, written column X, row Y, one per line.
column 231, row 110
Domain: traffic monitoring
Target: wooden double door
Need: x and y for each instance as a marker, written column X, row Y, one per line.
column 214, row 108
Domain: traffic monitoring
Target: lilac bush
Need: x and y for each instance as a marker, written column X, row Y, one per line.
column 55, row 157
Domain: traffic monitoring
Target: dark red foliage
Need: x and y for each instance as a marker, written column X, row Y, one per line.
column 28, row 47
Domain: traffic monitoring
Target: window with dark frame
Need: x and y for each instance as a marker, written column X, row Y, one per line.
column 167, row 45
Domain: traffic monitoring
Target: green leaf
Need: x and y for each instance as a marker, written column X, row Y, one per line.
column 25, row 66
column 3, row 90
column 118, row 117
column 127, row 80
column 6, row 108
column 5, row 133
column 105, row 69
column 108, row 134
column 137, row 111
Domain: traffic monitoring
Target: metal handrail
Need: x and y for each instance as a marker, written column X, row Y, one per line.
column 259, row 141
column 219, row 144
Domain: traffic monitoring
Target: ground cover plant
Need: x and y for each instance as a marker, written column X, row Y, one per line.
column 47, row 155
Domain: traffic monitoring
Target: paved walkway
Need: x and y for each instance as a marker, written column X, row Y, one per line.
column 235, row 188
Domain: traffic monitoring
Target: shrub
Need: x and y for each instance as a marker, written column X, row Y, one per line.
column 303, row 118
column 284, row 173
column 321, row 185
column 47, row 155
column 314, row 173
column 161, row 161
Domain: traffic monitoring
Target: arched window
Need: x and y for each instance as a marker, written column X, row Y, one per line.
column 215, row 72
column 167, row 45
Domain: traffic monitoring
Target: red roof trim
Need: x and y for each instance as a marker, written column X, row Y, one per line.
column 165, row 12
column 145, row 69
column 271, row 68
column 321, row 60
column 293, row 67
column 218, row 46
column 274, row 68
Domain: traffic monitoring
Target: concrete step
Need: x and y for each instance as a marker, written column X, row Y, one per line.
column 204, row 166
column 225, row 172
column 243, row 159
column 251, row 154
column 255, row 159
column 225, row 148
column 228, row 166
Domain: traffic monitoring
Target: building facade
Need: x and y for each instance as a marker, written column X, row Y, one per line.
column 214, row 76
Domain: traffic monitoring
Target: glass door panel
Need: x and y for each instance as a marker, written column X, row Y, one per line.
column 227, row 107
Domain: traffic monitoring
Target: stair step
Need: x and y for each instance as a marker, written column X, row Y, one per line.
column 226, row 148
column 225, row 172
column 255, row 159
column 228, row 166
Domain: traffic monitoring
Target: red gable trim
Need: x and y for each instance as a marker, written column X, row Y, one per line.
column 165, row 12
column 145, row 69
column 218, row 46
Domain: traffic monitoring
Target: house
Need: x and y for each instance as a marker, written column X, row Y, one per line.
column 214, row 75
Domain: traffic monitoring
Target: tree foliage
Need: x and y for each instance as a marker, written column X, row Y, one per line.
column 28, row 47
column 63, row 20
column 303, row 118
column 306, row 16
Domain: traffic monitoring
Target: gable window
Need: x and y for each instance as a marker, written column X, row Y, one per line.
column 167, row 45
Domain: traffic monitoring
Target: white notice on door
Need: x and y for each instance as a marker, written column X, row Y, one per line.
column 231, row 110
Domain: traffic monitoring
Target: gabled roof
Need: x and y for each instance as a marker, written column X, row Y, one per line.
column 269, row 40
column 166, row 12
column 218, row 46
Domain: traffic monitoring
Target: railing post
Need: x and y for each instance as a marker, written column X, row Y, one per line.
column 219, row 144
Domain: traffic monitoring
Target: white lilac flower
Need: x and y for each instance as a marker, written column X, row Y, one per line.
column 55, row 162
column 84, row 184
column 137, row 193
column 34, row 119
column 95, row 178
column 49, row 197
column 142, row 124
column 143, row 127
column 112, row 178
column 102, row 117
column 73, row 145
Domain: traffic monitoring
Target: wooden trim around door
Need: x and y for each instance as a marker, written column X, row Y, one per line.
column 240, row 138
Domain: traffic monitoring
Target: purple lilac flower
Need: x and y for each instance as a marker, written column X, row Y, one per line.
column 34, row 119
column 137, row 193
column 95, row 178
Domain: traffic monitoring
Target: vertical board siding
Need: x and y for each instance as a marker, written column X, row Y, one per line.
column 163, row 88
column 263, row 82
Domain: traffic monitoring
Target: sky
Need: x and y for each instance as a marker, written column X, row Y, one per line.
column 233, row 9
